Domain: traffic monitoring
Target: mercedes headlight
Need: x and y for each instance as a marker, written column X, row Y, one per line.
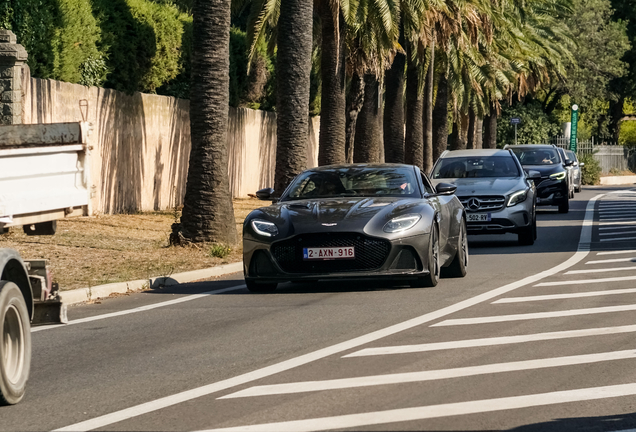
column 517, row 197
column 402, row 223
column 558, row 176
column 264, row 228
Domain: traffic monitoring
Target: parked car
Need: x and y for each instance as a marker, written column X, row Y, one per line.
column 359, row 221
column 576, row 170
column 553, row 189
column 569, row 166
column 497, row 194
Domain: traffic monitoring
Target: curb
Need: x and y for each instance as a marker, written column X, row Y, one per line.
column 83, row 295
column 617, row 180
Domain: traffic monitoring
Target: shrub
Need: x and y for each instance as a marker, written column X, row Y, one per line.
column 536, row 127
column 591, row 172
column 219, row 250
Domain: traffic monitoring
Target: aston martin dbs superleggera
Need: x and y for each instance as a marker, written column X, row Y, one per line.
column 359, row 221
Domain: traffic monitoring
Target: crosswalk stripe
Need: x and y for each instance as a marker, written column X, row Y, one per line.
column 617, row 223
column 618, row 239
column 613, row 228
column 612, row 260
column 568, row 295
column 432, row 375
column 587, row 281
column 600, row 270
column 617, row 252
column 616, row 233
column 483, row 342
column 441, row 410
column 535, row 315
column 616, row 219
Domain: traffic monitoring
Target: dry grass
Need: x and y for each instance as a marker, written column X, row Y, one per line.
column 90, row 251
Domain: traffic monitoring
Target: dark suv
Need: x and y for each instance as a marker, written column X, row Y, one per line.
column 554, row 187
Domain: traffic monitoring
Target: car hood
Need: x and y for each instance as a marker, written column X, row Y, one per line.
column 545, row 170
column 484, row 186
column 334, row 214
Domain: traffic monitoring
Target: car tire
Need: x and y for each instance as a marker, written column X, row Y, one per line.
column 260, row 287
column 41, row 228
column 431, row 279
column 457, row 267
column 564, row 207
column 15, row 344
column 578, row 189
column 527, row 236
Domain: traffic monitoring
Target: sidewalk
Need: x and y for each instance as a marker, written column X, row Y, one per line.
column 83, row 295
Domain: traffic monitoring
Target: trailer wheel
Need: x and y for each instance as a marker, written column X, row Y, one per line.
column 15, row 344
column 41, row 228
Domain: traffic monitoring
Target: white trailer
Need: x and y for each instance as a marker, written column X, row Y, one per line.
column 44, row 175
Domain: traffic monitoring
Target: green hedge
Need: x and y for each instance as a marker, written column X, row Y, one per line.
column 591, row 172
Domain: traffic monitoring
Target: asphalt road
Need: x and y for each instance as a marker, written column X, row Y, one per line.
column 535, row 338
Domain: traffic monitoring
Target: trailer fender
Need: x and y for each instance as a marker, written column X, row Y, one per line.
column 13, row 269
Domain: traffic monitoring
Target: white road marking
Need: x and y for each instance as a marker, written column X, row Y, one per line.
column 151, row 406
column 615, row 219
column 618, row 239
column 616, row 252
column 601, row 270
column 613, row 260
column 587, row 281
column 534, row 315
column 617, row 223
column 616, row 233
column 438, row 411
column 432, row 375
column 567, row 296
column 613, row 228
column 501, row 340
column 617, row 212
column 138, row 309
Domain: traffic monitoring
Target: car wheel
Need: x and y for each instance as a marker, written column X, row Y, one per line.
column 260, row 287
column 457, row 267
column 578, row 189
column 15, row 344
column 527, row 236
column 431, row 279
column 564, row 207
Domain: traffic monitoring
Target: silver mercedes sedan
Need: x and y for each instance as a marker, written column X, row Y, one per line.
column 498, row 195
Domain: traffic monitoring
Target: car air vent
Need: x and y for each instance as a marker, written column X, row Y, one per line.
column 483, row 202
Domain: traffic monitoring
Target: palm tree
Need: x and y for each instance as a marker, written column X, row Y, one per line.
column 293, row 69
column 393, row 129
column 414, row 145
column 208, row 214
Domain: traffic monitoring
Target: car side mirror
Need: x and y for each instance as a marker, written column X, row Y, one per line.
column 568, row 163
column 445, row 189
column 581, row 164
column 265, row 194
column 534, row 175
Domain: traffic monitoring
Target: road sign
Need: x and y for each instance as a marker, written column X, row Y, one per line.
column 515, row 121
column 575, row 120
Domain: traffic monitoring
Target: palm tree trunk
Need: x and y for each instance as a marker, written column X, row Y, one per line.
column 208, row 215
column 414, row 145
column 454, row 136
column 479, row 133
column 472, row 123
column 490, row 129
column 367, row 141
column 355, row 99
column 428, row 112
column 293, row 69
column 393, row 129
column 332, row 139
column 440, row 119
column 459, row 137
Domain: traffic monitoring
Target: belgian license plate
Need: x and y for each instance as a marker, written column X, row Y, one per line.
column 478, row 217
column 329, row 253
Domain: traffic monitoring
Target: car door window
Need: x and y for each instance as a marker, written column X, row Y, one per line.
column 427, row 185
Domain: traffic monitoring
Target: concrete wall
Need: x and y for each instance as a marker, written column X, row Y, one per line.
column 141, row 143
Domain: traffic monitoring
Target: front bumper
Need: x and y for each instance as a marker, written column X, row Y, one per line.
column 552, row 192
column 506, row 220
column 282, row 261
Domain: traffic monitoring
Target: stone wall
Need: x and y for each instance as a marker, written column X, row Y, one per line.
column 141, row 143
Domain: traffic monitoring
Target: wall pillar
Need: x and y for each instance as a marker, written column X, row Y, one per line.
column 12, row 58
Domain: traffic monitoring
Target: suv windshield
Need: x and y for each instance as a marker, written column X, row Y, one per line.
column 530, row 156
column 468, row 167
column 363, row 181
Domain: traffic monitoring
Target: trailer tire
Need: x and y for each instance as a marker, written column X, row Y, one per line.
column 41, row 228
column 15, row 344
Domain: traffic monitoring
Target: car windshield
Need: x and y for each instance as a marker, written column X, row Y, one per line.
column 471, row 167
column 530, row 156
column 353, row 181
column 571, row 155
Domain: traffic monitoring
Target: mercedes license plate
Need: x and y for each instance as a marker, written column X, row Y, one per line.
column 478, row 217
column 329, row 253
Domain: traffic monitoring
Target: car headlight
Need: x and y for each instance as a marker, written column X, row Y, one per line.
column 402, row 223
column 517, row 197
column 264, row 228
column 558, row 176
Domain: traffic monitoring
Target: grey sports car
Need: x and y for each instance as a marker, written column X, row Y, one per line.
column 359, row 221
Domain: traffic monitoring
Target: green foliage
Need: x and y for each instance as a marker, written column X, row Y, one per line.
column 591, row 171
column 536, row 127
column 219, row 250
column 628, row 133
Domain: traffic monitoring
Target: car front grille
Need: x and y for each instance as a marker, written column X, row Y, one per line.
column 482, row 203
column 370, row 253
